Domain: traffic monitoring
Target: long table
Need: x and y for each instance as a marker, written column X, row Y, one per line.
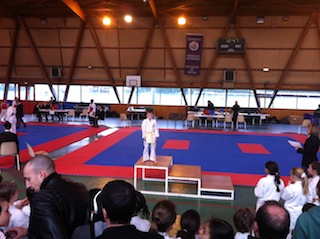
column 220, row 116
column 60, row 113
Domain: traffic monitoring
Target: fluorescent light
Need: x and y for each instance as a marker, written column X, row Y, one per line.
column 265, row 69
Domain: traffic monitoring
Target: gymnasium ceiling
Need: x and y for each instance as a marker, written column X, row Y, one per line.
column 83, row 8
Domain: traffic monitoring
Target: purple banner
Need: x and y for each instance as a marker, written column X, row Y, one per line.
column 193, row 54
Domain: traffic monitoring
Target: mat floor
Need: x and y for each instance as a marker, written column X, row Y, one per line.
column 206, row 207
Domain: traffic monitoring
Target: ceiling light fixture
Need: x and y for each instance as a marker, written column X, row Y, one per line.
column 265, row 69
column 128, row 18
column 106, row 21
column 182, row 20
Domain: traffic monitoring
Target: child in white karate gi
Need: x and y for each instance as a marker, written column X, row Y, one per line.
column 150, row 133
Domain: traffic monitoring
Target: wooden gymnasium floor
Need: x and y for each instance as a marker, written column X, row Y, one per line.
column 206, row 207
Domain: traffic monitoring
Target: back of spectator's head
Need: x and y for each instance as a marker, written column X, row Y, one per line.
column 190, row 224
column 243, row 220
column 8, row 190
column 118, row 199
column 314, row 129
column 164, row 215
column 7, row 125
column 96, row 209
column 219, row 229
column 141, row 205
column 272, row 221
column 307, row 206
column 315, row 165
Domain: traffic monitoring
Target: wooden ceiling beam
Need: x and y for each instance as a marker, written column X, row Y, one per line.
column 74, row 60
column 215, row 54
column 75, row 7
column 37, row 56
column 11, row 59
column 249, row 69
column 292, row 58
column 103, row 58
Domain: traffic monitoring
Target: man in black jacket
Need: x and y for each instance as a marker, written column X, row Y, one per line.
column 118, row 199
column 57, row 206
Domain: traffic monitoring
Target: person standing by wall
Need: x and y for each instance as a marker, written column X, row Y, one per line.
column 316, row 116
column 150, row 133
column 20, row 115
column 235, row 111
column 92, row 113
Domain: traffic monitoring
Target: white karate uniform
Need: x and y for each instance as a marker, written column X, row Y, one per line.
column 266, row 189
column 312, row 182
column 294, row 201
column 140, row 223
column 92, row 110
column 150, row 132
column 11, row 117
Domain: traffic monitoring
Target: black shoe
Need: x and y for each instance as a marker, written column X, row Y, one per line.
column 25, row 125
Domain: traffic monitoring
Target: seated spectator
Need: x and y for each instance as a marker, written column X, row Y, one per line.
column 97, row 224
column 308, row 224
column 313, row 172
column 9, row 191
column 307, row 206
column 142, row 224
column 163, row 217
column 272, row 221
column 216, row 228
column 118, row 199
column 4, row 216
column 190, row 224
column 8, row 136
column 243, row 220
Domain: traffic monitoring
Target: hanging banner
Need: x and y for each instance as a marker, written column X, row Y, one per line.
column 193, row 54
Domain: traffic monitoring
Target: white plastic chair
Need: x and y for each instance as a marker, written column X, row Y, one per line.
column 241, row 120
column 84, row 113
column 124, row 120
column 11, row 149
column 228, row 120
column 71, row 113
column 305, row 124
column 190, row 119
column 32, row 153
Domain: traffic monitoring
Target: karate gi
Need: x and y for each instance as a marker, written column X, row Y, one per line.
column 150, row 132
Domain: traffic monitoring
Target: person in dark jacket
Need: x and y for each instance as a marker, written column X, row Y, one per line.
column 57, row 206
column 8, row 136
column 118, row 199
column 310, row 147
column 235, row 111
column 20, row 114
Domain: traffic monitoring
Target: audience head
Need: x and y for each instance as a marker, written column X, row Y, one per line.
column 243, row 220
column 318, row 188
column 307, row 206
column 272, row 221
column 313, row 129
column 164, row 215
column 96, row 209
column 190, row 224
column 9, row 191
column 272, row 168
column 118, row 199
column 4, row 212
column 298, row 174
column 7, row 125
column 216, row 228
column 37, row 170
column 314, row 168
column 141, row 205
